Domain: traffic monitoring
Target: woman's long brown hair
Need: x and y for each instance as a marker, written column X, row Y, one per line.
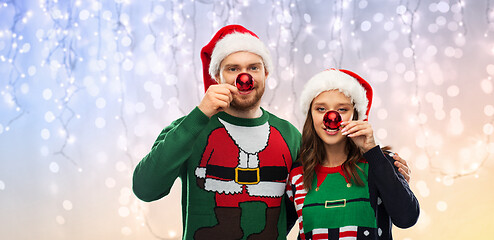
column 312, row 153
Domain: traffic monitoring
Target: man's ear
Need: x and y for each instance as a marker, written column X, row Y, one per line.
column 217, row 78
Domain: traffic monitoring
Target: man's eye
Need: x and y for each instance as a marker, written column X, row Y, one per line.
column 254, row 68
column 232, row 69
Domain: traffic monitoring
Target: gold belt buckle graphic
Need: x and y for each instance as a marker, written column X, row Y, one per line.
column 328, row 204
column 238, row 169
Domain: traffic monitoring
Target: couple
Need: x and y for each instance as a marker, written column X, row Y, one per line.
column 247, row 174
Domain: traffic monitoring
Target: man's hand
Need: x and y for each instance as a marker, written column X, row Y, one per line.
column 402, row 166
column 217, row 99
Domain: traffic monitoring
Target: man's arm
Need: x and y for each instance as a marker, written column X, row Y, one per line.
column 157, row 171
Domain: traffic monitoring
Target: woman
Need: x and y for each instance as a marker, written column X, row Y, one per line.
column 344, row 184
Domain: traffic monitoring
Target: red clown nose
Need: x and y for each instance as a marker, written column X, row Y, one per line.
column 332, row 120
column 244, row 82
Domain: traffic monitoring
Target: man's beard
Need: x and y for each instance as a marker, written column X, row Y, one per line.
column 247, row 104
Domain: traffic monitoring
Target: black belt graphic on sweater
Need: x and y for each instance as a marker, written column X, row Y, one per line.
column 248, row 175
column 337, row 203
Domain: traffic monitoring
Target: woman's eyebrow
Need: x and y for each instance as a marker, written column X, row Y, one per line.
column 344, row 104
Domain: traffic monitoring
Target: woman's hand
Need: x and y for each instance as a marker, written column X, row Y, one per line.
column 363, row 136
column 361, row 133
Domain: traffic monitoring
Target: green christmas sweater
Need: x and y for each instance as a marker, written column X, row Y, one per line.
column 335, row 208
column 233, row 172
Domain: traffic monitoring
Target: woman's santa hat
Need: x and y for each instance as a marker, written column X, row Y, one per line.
column 347, row 82
column 228, row 40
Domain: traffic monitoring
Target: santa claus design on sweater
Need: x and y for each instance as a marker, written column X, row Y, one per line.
column 244, row 164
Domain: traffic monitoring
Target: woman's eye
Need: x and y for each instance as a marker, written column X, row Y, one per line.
column 320, row 109
column 342, row 110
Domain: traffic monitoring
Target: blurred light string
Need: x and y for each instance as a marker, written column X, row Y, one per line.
column 195, row 51
column 286, row 32
column 354, row 31
column 168, row 45
column 408, row 18
column 461, row 18
column 336, row 52
column 223, row 14
column 60, row 41
column 489, row 17
column 149, row 19
column 478, row 166
column 173, row 41
column 15, row 75
column 121, row 30
column 473, row 171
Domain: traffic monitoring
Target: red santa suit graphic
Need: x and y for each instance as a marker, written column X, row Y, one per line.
column 243, row 164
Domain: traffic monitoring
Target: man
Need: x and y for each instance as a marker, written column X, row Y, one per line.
column 232, row 156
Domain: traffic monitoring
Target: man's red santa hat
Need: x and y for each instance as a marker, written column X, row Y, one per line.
column 228, row 40
column 347, row 82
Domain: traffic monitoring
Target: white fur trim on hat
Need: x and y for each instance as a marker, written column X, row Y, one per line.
column 335, row 80
column 238, row 42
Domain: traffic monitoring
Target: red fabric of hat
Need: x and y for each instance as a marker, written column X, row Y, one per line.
column 365, row 84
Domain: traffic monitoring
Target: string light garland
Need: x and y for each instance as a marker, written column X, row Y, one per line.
column 489, row 17
column 60, row 43
column 284, row 29
column 123, row 41
column 15, row 74
column 336, row 43
column 407, row 16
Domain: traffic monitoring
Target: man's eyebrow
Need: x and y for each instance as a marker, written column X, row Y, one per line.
column 231, row 65
column 260, row 63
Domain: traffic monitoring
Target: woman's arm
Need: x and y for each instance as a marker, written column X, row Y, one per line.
column 394, row 191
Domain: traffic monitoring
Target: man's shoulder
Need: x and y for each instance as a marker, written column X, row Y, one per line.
column 278, row 120
column 284, row 127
